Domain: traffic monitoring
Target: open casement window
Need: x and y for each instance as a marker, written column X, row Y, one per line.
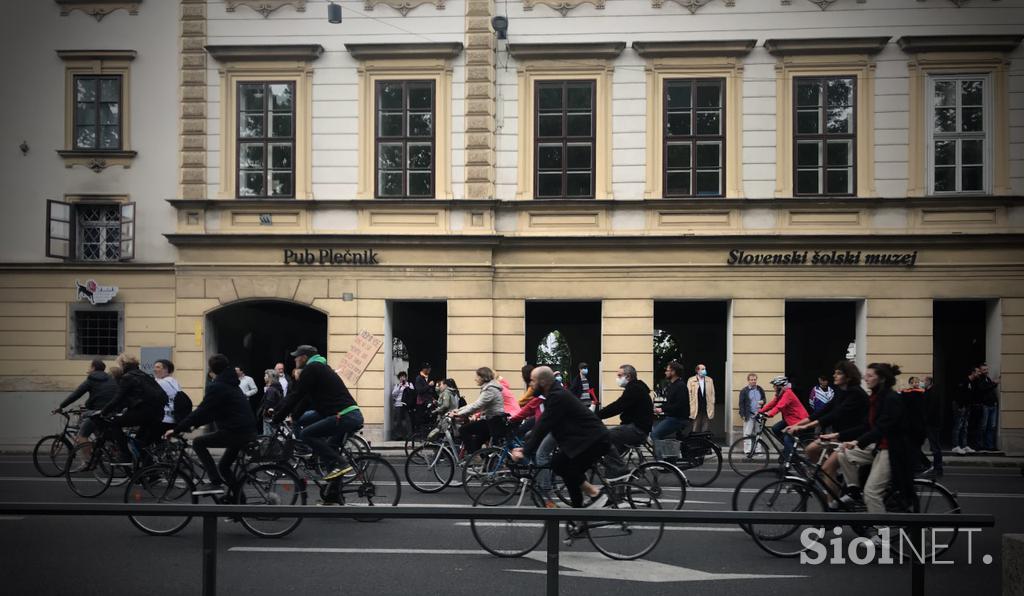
column 87, row 231
column 127, row 231
column 60, row 230
column 958, row 134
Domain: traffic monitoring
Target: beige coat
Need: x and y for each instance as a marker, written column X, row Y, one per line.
column 709, row 389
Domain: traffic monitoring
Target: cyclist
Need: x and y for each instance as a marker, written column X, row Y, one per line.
column 581, row 436
column 225, row 405
column 447, row 399
column 491, row 406
column 792, row 411
column 676, row 407
column 102, row 389
column 144, row 401
column 636, row 417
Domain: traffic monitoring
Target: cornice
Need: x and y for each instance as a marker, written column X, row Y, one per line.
column 98, row 9
column 687, row 49
column 825, row 46
column 403, row 6
column 83, row 55
column 265, row 7
column 915, row 44
column 253, row 52
column 400, row 51
column 562, row 6
column 555, row 51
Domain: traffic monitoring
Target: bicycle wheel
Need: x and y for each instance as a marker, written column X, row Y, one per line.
column 415, row 441
column 745, row 461
column 507, row 538
column 482, row 468
column 742, row 496
column 270, row 484
column 90, row 468
column 789, row 495
column 51, row 454
column 664, row 481
column 430, row 468
column 626, row 541
column 357, row 444
column 160, row 483
column 702, row 461
column 931, row 497
column 373, row 482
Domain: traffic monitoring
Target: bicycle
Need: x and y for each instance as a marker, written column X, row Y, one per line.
column 101, row 463
column 665, row 481
column 764, row 444
column 50, row 454
column 699, row 458
column 512, row 538
column 252, row 482
column 430, row 468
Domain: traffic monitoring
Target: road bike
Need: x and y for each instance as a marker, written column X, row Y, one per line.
column 755, row 451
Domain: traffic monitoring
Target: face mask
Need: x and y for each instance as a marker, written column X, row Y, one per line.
column 622, row 381
column 558, row 378
column 703, row 373
column 585, row 370
column 920, row 386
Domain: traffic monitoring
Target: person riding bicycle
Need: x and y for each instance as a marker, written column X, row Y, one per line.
column 581, row 436
column 102, row 389
column 143, row 400
column 636, row 417
column 679, row 416
column 225, row 405
column 335, row 412
column 491, row 406
column 792, row 411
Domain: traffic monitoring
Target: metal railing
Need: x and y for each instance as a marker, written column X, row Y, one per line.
column 552, row 519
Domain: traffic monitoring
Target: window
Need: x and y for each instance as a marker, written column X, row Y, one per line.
column 564, row 139
column 958, row 139
column 95, row 330
column 97, row 122
column 694, row 137
column 266, row 139
column 824, row 136
column 404, row 138
column 90, row 231
column 97, row 112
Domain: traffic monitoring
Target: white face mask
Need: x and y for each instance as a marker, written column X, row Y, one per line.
column 622, row 381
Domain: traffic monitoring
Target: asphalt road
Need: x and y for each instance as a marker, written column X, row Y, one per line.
column 104, row 556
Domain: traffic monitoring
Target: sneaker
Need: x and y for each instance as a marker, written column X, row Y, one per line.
column 209, row 488
column 968, row 450
column 338, row 472
column 599, row 501
column 833, row 506
column 959, row 451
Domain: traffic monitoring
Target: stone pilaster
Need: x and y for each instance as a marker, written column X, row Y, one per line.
column 480, row 99
column 192, row 94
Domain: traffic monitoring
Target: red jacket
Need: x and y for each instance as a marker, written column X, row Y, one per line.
column 792, row 410
column 534, row 408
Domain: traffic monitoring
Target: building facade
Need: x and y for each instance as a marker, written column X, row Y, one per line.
column 761, row 186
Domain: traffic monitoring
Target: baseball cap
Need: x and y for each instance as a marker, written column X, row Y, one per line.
column 304, row 350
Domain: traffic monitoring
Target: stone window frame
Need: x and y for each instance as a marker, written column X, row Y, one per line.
column 695, row 60
column 406, row 62
column 840, row 57
column 278, row 63
column 71, row 202
column 76, row 307
column 97, row 63
column 566, row 62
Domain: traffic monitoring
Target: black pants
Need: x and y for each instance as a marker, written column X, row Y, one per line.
column 574, row 469
column 474, row 434
column 147, row 419
column 232, row 441
column 622, row 437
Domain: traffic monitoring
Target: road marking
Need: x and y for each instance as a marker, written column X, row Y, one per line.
column 11, row 517
column 667, row 528
column 356, row 551
column 597, row 566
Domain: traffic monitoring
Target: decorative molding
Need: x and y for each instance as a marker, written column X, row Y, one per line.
column 403, row 51
column 97, row 161
column 822, row 4
column 192, row 91
column 98, row 8
column 914, row 44
column 403, row 6
column 556, row 51
column 959, row 3
column 265, row 7
column 264, row 53
column 480, row 90
column 97, row 55
column 562, row 6
column 824, row 46
column 688, row 49
column 691, row 5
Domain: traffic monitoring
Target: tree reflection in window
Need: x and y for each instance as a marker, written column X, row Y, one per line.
column 553, row 350
column 666, row 349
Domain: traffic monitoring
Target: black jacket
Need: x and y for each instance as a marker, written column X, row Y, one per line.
column 985, row 391
column 677, row 400
column 933, row 408
column 573, row 425
column 846, row 414
column 223, row 403
column 319, row 388
column 889, row 420
column 966, row 396
column 425, row 394
column 634, row 406
column 137, row 391
column 751, row 409
column 101, row 387
column 273, row 395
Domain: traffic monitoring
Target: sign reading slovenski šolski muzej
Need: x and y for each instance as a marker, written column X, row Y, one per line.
column 822, row 257
column 331, row 256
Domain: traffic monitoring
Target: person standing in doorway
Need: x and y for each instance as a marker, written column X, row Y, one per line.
column 702, row 398
column 933, row 423
column 581, row 387
column 676, row 408
column 963, row 403
column 249, row 388
column 425, row 395
column 821, row 394
column 751, row 399
column 282, row 377
column 988, row 401
column 273, row 396
column 402, row 408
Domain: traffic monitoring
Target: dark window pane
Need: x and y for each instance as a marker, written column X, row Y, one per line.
column 550, row 98
column 250, row 156
column 945, row 179
column 420, row 125
column 808, row 94
column 281, row 184
column 677, row 124
column 390, row 125
column 678, row 183
column 972, row 152
column 972, row 120
column 549, row 157
column 390, row 184
column 708, row 123
column 419, row 184
column 85, row 89
column 250, row 184
column 250, row 98
column 281, row 97
column 945, row 153
column 807, row 182
column 579, row 98
column 707, row 183
column 945, row 120
column 109, row 114
column 389, row 156
column 839, row 153
column 578, row 125
column 709, row 96
column 838, row 120
column 85, row 113
column 807, row 122
column 708, row 155
column 577, row 157
column 420, row 98
column 550, row 125
column 678, row 95
column 945, row 93
column 390, row 96
column 808, row 153
column 281, row 156
column 838, row 181
column 973, row 93
column 840, row 93
column 678, row 156
column 420, row 156
column 282, row 125
column 110, row 90
column 972, row 178
column 577, row 185
column 549, row 185
column 85, row 137
column 250, row 126
column 110, row 137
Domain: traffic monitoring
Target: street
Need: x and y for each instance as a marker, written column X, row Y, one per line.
column 90, row 555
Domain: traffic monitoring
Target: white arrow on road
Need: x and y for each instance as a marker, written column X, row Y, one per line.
column 597, row 566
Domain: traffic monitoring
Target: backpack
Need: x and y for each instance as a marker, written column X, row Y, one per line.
column 462, row 400
column 182, row 406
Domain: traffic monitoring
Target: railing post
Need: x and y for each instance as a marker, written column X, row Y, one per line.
column 552, row 530
column 209, row 555
column 916, row 576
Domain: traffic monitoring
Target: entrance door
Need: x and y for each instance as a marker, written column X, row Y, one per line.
column 418, row 332
column 564, row 334
column 959, row 341
column 818, row 334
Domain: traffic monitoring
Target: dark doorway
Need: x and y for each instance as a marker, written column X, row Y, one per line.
column 959, row 339
column 419, row 333
column 694, row 332
column 256, row 335
column 563, row 334
column 818, row 334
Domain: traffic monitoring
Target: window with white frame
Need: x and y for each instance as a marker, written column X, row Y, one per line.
column 90, row 231
column 958, row 137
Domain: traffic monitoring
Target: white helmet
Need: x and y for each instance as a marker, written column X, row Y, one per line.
column 780, row 381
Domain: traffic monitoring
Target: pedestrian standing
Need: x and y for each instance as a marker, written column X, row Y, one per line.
column 821, row 394
column 988, row 401
column 273, row 395
column 702, row 398
column 581, row 387
column 402, row 409
column 425, row 396
column 282, row 377
column 963, row 404
column 933, row 423
column 752, row 397
column 249, row 388
column 162, row 370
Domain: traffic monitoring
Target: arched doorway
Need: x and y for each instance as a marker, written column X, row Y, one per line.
column 256, row 334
